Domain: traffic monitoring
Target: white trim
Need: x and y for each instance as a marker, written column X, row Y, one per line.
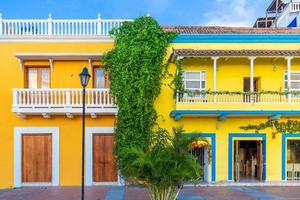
column 58, row 56
column 89, row 131
column 215, row 65
column 55, row 39
column 18, row 132
column 201, row 72
column 252, row 73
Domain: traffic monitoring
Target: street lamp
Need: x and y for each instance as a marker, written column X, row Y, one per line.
column 84, row 80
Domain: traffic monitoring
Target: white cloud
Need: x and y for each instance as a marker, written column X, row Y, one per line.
column 232, row 13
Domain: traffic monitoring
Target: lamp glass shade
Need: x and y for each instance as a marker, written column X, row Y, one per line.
column 84, row 77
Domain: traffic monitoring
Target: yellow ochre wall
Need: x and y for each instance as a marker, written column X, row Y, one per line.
column 64, row 75
column 230, row 76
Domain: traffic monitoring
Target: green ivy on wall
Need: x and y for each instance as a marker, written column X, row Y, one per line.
column 135, row 66
column 177, row 81
column 290, row 126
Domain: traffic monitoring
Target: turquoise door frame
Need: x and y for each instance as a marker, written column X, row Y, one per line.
column 285, row 137
column 212, row 136
column 230, row 150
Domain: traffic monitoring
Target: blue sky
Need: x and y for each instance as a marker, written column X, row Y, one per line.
column 167, row 12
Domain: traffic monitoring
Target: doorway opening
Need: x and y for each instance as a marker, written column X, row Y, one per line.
column 248, row 160
column 256, row 85
column 293, row 160
column 202, row 156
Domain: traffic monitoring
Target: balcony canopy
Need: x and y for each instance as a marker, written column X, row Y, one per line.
column 180, row 53
column 58, row 56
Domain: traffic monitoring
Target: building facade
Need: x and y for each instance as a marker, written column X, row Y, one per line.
column 232, row 62
column 41, row 101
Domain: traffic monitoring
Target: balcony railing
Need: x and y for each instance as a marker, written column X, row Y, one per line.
column 284, row 18
column 238, row 98
column 58, row 27
column 295, row 6
column 62, row 101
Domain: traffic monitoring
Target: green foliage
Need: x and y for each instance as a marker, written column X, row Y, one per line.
column 177, row 81
column 290, row 126
column 220, row 92
column 135, row 67
column 146, row 154
column 166, row 163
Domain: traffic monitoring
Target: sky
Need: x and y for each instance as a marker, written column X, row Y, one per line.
column 166, row 12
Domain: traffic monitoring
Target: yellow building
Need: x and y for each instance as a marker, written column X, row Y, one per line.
column 232, row 63
column 41, row 101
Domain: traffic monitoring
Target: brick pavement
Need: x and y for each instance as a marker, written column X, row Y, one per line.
column 139, row 193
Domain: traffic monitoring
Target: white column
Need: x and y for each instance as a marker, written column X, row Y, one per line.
column 50, row 24
column 99, row 24
column 251, row 73
column 1, row 24
column 289, row 65
column 215, row 59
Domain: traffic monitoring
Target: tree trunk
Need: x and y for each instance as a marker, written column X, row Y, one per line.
column 168, row 193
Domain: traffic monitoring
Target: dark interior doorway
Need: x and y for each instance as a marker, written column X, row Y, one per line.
column 248, row 160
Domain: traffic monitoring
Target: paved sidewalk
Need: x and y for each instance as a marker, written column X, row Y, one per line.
column 138, row 193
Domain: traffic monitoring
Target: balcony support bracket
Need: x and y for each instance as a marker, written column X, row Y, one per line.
column 51, row 64
column 21, row 61
column 21, row 115
column 93, row 115
column 177, row 117
column 275, row 117
column 46, row 115
column 69, row 115
column 223, row 117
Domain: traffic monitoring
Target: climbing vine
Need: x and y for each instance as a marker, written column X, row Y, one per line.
column 135, row 67
column 146, row 153
column 177, row 81
column 221, row 92
column 290, row 126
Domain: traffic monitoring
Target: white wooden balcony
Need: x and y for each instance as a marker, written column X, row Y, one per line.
column 238, row 101
column 58, row 27
column 238, row 98
column 47, row 102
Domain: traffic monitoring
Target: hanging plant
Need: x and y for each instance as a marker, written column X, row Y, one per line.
column 290, row 126
column 194, row 93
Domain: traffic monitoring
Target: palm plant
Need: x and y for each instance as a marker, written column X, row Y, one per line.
column 164, row 167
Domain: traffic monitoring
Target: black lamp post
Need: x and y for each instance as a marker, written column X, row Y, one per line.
column 84, row 80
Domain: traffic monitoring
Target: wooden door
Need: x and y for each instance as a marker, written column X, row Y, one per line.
column 260, row 163
column 249, row 98
column 104, row 165
column 36, row 158
column 236, row 160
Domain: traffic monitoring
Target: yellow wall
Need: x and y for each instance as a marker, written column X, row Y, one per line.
column 64, row 75
column 230, row 76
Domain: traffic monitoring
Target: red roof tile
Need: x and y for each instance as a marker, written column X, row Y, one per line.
column 215, row 52
column 228, row 30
